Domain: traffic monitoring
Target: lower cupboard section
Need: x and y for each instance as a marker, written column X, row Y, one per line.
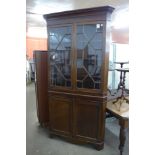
column 78, row 118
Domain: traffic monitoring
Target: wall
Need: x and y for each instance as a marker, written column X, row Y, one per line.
column 33, row 43
column 120, row 36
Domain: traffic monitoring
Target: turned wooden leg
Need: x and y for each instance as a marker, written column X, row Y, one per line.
column 122, row 136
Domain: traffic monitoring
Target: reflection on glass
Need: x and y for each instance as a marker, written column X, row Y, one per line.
column 89, row 55
column 59, row 56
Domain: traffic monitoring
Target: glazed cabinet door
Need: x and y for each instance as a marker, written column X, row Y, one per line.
column 60, row 114
column 60, row 56
column 89, row 55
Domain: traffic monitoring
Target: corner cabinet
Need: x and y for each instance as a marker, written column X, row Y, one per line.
column 78, row 59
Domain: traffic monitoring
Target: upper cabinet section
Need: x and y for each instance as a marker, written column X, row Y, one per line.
column 78, row 47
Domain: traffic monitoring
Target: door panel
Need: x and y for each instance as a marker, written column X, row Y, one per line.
column 61, row 114
column 86, row 118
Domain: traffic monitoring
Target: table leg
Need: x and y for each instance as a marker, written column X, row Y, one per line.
column 123, row 127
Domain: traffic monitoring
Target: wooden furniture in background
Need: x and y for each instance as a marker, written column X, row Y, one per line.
column 118, row 105
column 123, row 72
column 78, row 59
column 40, row 58
column 121, row 86
column 122, row 114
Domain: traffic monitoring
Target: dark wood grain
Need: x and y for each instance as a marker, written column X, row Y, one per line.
column 40, row 58
column 124, row 124
column 61, row 114
column 81, row 12
column 78, row 114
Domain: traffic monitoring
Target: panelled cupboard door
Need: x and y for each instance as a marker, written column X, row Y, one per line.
column 60, row 114
column 87, row 118
column 60, row 56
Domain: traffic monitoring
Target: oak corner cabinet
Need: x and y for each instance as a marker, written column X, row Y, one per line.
column 78, row 60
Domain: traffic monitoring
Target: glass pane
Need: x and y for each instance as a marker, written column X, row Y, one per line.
column 59, row 56
column 89, row 55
